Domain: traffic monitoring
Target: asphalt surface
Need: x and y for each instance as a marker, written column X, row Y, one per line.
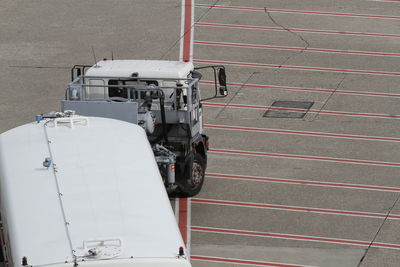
column 322, row 190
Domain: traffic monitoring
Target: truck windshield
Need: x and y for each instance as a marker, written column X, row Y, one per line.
column 115, row 91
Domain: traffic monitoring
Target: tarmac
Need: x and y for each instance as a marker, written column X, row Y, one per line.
column 319, row 190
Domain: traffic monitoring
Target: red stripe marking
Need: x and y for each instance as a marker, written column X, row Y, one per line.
column 293, row 237
column 183, row 219
column 252, row 129
column 241, row 261
column 355, row 52
column 294, row 208
column 303, row 12
column 302, row 68
column 249, row 27
column 328, row 112
column 183, row 202
column 320, row 90
column 384, row 0
column 304, row 157
column 280, row 131
column 188, row 31
column 303, row 182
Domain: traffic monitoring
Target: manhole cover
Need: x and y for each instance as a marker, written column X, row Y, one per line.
column 287, row 109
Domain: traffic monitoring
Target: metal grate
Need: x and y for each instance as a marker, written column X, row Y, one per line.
column 274, row 113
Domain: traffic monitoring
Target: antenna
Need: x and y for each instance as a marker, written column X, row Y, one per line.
column 94, row 56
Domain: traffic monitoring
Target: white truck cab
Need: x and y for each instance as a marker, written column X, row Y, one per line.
column 84, row 191
column 102, row 73
column 163, row 97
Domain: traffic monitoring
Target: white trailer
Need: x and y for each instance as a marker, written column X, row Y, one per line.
column 84, row 191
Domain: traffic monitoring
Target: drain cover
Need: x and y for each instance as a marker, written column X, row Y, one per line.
column 286, row 112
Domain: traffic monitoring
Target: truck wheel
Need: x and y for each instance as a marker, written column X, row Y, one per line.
column 194, row 177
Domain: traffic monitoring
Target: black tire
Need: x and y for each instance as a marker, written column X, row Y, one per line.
column 193, row 177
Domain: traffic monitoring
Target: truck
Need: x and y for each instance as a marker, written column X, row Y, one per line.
column 164, row 98
column 84, row 191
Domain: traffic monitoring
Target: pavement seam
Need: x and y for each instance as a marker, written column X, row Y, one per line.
column 328, row 98
column 307, row 44
column 236, row 94
column 379, row 230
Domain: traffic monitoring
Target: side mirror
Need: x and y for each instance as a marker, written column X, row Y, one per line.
column 75, row 73
column 196, row 75
column 74, row 92
column 219, row 80
column 78, row 70
column 222, row 82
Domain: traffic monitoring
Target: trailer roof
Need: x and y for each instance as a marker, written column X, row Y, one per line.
column 110, row 185
column 144, row 68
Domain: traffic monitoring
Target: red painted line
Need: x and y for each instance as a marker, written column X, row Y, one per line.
column 303, row 182
column 293, row 237
column 184, row 203
column 294, row 48
column 303, row 12
column 295, row 208
column 242, row 261
column 249, row 27
column 306, row 133
column 187, row 31
column 327, row 112
column 304, row 157
column 183, row 219
column 302, row 68
column 318, row 90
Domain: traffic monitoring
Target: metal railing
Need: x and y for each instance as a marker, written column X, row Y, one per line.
column 78, row 90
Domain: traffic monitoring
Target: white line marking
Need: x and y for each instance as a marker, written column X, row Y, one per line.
column 298, row 12
column 189, row 225
column 296, row 48
column 327, row 184
column 304, row 157
column 297, row 68
column 236, row 261
column 316, row 111
column 181, row 42
column 308, row 238
column 251, row 27
column 314, row 90
column 271, row 206
column 387, row 1
column 296, row 132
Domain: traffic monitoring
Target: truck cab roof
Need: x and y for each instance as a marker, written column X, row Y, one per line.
column 141, row 68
